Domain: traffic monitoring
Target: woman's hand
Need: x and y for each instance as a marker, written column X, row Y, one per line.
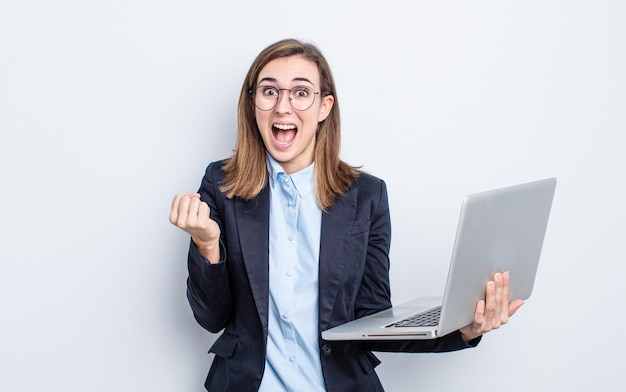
column 495, row 310
column 192, row 215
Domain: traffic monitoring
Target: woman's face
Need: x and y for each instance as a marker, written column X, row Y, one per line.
column 289, row 135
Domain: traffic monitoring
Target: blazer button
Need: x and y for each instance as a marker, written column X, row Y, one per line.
column 326, row 350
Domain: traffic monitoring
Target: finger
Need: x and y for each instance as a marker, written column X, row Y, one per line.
column 183, row 211
column 204, row 211
column 505, row 297
column 192, row 211
column 490, row 304
column 174, row 209
column 514, row 306
column 501, row 307
column 479, row 314
column 506, row 284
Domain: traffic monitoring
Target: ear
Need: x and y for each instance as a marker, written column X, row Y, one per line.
column 325, row 106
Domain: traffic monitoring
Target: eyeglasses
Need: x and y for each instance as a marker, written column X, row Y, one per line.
column 300, row 97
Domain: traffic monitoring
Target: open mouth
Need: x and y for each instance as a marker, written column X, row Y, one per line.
column 284, row 134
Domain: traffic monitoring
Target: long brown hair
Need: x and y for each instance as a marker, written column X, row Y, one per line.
column 246, row 170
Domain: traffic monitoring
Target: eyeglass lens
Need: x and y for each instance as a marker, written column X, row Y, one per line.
column 300, row 97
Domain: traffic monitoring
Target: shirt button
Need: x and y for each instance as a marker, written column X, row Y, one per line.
column 286, row 316
column 292, row 358
column 290, row 238
column 326, row 349
column 289, row 272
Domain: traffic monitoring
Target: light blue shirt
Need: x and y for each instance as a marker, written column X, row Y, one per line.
column 293, row 356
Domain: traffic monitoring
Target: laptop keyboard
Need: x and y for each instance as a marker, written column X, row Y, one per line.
column 429, row 318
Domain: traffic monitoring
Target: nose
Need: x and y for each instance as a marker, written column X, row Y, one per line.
column 284, row 102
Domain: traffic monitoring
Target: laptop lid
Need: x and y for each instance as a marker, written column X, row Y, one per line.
column 498, row 230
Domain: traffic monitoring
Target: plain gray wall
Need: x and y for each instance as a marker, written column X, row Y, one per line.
column 109, row 108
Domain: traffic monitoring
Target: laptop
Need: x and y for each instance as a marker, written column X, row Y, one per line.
column 499, row 230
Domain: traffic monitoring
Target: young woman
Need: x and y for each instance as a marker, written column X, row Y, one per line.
column 287, row 240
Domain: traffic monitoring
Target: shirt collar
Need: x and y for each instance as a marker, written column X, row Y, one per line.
column 302, row 180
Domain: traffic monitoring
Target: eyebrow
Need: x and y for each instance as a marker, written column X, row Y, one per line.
column 296, row 79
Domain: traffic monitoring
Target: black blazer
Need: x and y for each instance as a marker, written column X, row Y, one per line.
column 233, row 295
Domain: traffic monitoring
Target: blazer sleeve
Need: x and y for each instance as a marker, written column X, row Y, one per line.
column 208, row 288
column 374, row 292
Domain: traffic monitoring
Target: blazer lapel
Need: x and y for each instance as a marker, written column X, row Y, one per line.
column 253, row 219
column 253, row 223
column 336, row 232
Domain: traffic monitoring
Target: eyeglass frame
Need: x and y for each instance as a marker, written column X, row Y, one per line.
column 253, row 90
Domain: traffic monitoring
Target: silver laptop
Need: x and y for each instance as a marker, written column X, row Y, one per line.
column 499, row 230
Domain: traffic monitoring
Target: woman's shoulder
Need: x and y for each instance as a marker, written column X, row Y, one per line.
column 213, row 175
column 218, row 164
column 216, row 168
column 365, row 179
column 369, row 186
